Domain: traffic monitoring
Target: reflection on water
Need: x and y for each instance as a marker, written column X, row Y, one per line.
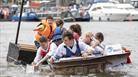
column 125, row 33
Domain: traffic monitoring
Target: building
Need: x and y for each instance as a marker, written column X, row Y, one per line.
column 57, row 2
column 3, row 2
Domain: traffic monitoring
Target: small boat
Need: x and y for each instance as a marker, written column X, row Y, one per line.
column 43, row 15
column 27, row 15
column 133, row 13
column 107, row 12
column 75, row 16
column 91, row 64
column 73, row 65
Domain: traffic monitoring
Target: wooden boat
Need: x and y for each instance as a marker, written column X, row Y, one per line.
column 79, row 65
column 21, row 52
column 72, row 65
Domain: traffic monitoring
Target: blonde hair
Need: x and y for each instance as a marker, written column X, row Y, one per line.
column 88, row 34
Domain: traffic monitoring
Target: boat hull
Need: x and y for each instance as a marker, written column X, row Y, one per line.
column 92, row 64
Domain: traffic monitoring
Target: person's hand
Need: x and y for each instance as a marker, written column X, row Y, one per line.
column 33, row 63
column 51, row 60
column 90, row 50
column 35, row 66
column 97, row 42
column 85, row 55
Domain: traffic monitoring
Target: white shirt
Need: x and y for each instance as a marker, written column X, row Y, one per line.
column 61, row 50
column 38, row 54
column 52, row 50
column 97, row 49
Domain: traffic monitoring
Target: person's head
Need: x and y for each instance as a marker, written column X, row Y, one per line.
column 49, row 20
column 43, row 42
column 76, row 28
column 68, row 38
column 99, row 36
column 87, row 38
column 59, row 22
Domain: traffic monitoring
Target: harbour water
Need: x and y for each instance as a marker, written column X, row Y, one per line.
column 125, row 33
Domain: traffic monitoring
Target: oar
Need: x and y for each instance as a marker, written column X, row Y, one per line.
column 19, row 22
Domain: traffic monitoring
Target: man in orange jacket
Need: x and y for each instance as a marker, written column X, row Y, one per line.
column 46, row 29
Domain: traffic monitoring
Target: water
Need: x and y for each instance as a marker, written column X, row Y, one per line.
column 125, row 33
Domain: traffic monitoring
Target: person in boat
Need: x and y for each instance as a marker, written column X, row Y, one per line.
column 97, row 43
column 56, row 41
column 93, row 41
column 60, row 24
column 87, row 38
column 46, row 29
column 76, row 29
column 70, row 48
column 42, row 50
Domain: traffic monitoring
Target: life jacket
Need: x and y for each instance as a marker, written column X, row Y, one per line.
column 69, row 53
column 57, row 34
column 43, row 53
column 47, row 32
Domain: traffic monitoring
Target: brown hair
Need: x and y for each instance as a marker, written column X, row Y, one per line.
column 99, row 36
column 68, row 34
column 59, row 22
column 49, row 17
column 43, row 39
column 76, row 28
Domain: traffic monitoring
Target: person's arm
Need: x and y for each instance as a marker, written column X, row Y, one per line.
column 38, row 56
column 42, row 60
column 53, row 48
column 58, row 54
column 85, row 48
column 96, row 43
column 39, row 27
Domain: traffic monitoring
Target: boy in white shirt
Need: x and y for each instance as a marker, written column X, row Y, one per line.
column 56, row 41
column 70, row 48
column 42, row 50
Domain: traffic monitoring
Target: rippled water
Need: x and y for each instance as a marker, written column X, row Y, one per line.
column 125, row 33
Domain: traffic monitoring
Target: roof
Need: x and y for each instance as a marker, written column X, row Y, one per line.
column 124, row 6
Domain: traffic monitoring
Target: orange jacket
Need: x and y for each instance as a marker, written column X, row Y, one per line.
column 47, row 32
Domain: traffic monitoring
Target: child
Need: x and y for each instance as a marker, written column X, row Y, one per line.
column 87, row 38
column 76, row 29
column 46, row 29
column 42, row 50
column 93, row 41
column 97, row 43
column 99, row 38
column 60, row 24
column 70, row 47
column 56, row 41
